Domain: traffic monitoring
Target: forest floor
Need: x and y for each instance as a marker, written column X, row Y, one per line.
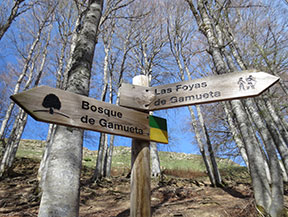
column 183, row 190
column 171, row 196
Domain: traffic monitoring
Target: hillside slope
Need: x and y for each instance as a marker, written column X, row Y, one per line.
column 170, row 196
column 122, row 157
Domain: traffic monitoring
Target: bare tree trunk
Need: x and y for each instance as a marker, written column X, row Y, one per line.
column 272, row 134
column 44, row 160
column 61, row 82
column 275, row 134
column 108, row 163
column 51, row 131
column 109, row 152
column 74, row 39
column 210, row 148
column 13, row 14
column 16, row 133
column 12, row 143
column 261, row 148
column 175, row 48
column 236, row 135
column 260, row 182
column 62, row 182
column 274, row 195
column 20, row 124
column 280, row 122
column 98, row 172
column 276, row 205
column 201, row 147
column 155, row 165
column 103, row 140
column 20, row 79
column 283, row 172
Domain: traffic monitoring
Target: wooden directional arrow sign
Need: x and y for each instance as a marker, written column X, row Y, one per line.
column 53, row 105
column 205, row 90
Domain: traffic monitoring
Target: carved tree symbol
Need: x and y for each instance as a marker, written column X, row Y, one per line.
column 51, row 101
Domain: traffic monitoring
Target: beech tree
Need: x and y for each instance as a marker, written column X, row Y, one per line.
column 147, row 52
column 215, row 25
column 107, row 35
column 62, row 181
column 67, row 20
column 180, row 42
column 18, row 7
column 21, row 118
column 119, row 64
column 110, row 24
column 29, row 60
column 122, row 35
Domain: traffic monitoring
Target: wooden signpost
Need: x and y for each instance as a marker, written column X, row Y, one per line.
column 205, row 90
column 61, row 107
column 57, row 106
column 140, row 195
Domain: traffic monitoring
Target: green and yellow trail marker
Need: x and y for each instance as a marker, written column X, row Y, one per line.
column 158, row 129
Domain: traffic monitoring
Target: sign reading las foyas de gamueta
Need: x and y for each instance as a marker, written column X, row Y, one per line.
column 205, row 90
column 53, row 105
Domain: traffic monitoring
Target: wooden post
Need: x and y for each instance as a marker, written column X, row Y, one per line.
column 140, row 198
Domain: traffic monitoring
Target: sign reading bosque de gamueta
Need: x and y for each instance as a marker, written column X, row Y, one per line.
column 53, row 105
column 205, row 90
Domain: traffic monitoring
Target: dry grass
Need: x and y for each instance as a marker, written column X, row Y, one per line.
column 184, row 173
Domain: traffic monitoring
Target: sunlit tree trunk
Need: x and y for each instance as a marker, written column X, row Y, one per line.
column 210, row 148
column 108, row 162
column 21, row 119
column 52, row 127
column 103, row 140
column 61, row 82
column 266, row 129
column 279, row 121
column 102, row 150
column 268, row 200
column 155, row 161
column 62, row 182
column 21, row 77
column 108, row 157
column 12, row 143
column 176, row 41
column 16, row 133
column 201, row 147
column 271, row 128
column 45, row 156
column 277, row 183
column 258, row 173
column 283, row 172
column 125, row 50
column 74, row 39
column 236, row 134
